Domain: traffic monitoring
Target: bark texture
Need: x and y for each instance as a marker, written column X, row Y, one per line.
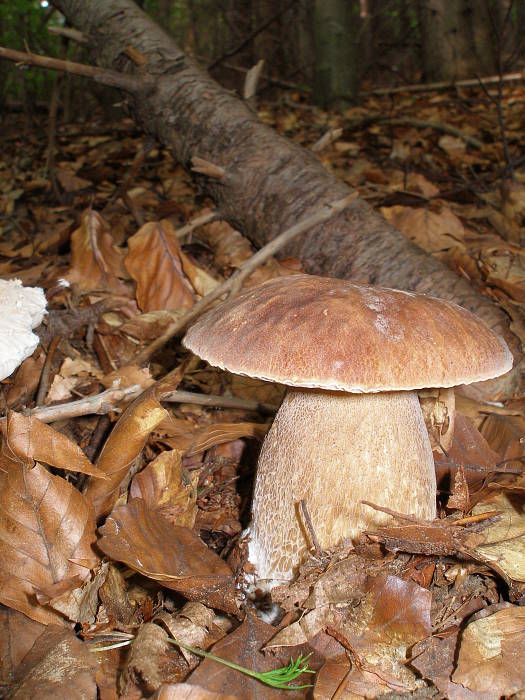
column 271, row 182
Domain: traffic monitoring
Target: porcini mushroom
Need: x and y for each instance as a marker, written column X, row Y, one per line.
column 21, row 309
column 350, row 427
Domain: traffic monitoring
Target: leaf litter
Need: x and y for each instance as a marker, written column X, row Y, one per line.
column 410, row 609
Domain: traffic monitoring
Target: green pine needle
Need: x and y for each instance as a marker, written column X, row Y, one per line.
column 277, row 678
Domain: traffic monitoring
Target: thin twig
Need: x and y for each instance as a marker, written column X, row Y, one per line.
column 217, row 401
column 113, row 78
column 98, row 404
column 430, row 87
column 231, row 285
column 46, row 370
column 310, row 528
column 195, row 223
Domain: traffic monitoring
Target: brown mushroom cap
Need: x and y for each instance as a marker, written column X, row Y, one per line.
column 309, row 331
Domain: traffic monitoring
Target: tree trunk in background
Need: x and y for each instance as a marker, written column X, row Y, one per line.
column 270, row 182
column 336, row 31
column 457, row 38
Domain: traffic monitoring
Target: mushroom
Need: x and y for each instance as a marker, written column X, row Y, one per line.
column 350, row 427
column 21, row 309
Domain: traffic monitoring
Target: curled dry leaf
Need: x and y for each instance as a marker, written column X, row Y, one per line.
column 47, row 529
column 161, row 487
column 174, row 556
column 58, row 667
column 154, row 262
column 96, row 263
column 151, row 661
column 33, row 441
column 220, row 433
column 78, row 605
column 490, row 658
column 124, row 444
column 193, row 625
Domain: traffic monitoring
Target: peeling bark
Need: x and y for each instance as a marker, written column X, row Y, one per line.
column 270, row 182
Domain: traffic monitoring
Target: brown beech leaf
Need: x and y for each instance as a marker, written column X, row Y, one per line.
column 171, row 555
column 124, row 444
column 151, row 661
column 432, row 231
column 96, row 263
column 353, row 679
column 185, row 691
column 31, row 440
column 58, row 667
column 503, row 542
column 243, row 647
column 17, row 635
column 155, row 264
column 46, row 532
column 401, row 610
column 26, row 380
column 161, row 487
column 219, row 433
column 193, row 625
column 490, row 658
column 434, row 658
column 470, row 450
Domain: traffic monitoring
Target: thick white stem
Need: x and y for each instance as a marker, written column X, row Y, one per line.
column 333, row 450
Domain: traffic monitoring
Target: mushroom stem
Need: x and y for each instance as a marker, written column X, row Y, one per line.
column 332, row 450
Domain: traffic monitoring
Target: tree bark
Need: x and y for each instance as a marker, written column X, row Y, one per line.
column 270, row 182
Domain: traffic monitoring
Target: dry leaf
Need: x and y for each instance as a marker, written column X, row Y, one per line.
column 161, row 487
column 18, row 633
column 124, row 444
column 220, row 433
column 507, row 535
column 26, row 380
column 435, row 658
column 31, row 440
column 243, row 647
column 174, row 556
column 185, row 691
column 490, row 658
column 47, row 526
column 504, row 267
column 431, row 231
column 96, row 263
column 58, row 667
column 151, row 661
column 155, row 264
column 78, row 605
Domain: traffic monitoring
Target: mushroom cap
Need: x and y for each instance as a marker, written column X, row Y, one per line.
column 328, row 333
column 21, row 309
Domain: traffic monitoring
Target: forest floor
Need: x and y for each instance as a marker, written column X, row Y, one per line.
column 161, row 453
